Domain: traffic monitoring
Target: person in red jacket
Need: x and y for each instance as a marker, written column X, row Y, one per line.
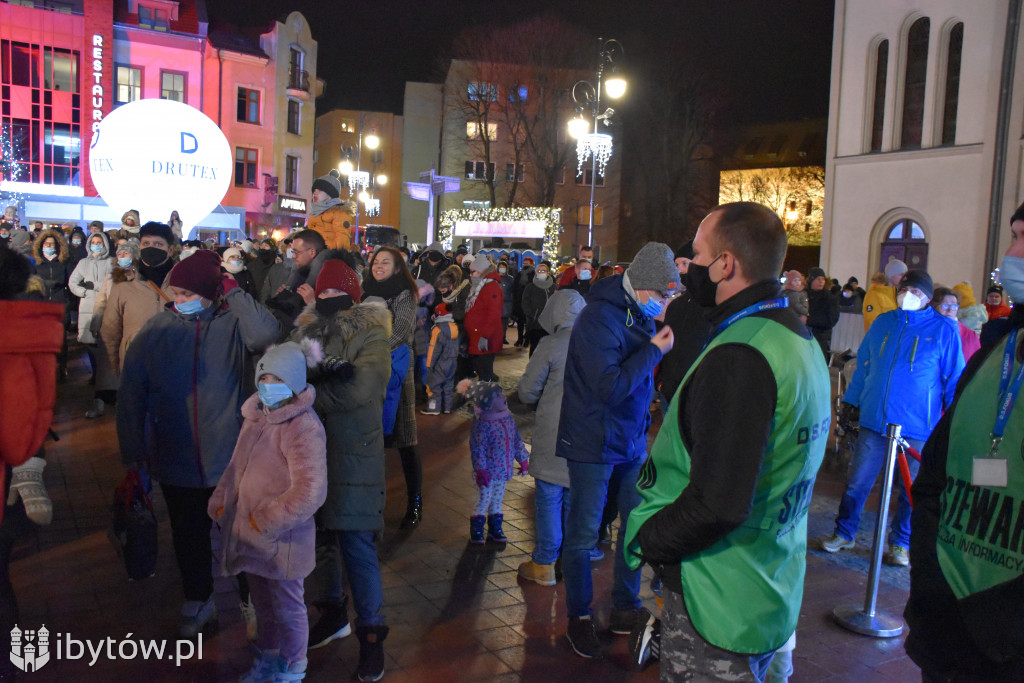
column 483, row 317
column 30, row 339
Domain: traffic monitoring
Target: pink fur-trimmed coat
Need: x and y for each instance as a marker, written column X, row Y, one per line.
column 278, row 476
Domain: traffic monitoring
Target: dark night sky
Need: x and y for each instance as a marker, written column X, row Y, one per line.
column 772, row 57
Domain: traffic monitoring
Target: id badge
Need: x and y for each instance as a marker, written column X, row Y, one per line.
column 989, row 472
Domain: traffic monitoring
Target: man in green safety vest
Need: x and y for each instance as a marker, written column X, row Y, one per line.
column 966, row 606
column 725, row 493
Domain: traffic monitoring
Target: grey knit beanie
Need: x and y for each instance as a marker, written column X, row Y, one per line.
column 653, row 268
column 288, row 362
column 329, row 184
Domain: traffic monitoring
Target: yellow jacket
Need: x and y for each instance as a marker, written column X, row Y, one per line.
column 878, row 300
column 334, row 225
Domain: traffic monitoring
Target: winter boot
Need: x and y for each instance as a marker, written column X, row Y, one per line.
column 27, row 482
column 413, row 513
column 494, row 532
column 371, row 652
column 476, row 528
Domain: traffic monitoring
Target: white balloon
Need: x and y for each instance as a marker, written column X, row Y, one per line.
column 159, row 156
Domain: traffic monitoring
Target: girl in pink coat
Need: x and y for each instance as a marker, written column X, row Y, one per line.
column 263, row 508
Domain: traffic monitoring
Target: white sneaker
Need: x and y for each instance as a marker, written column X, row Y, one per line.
column 251, row 625
column 195, row 615
column 96, row 410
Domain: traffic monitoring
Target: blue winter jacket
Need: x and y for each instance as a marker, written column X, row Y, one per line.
column 609, row 379
column 907, row 369
column 183, row 386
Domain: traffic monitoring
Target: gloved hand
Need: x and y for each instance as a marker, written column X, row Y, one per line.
column 339, row 367
column 482, row 344
column 88, row 285
column 848, row 413
column 483, row 478
column 524, row 468
column 228, row 283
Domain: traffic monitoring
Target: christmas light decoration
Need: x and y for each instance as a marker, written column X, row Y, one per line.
column 358, row 179
column 551, row 217
column 10, row 172
column 372, row 207
column 597, row 144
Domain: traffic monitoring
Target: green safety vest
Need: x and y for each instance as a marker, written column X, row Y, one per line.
column 981, row 529
column 744, row 592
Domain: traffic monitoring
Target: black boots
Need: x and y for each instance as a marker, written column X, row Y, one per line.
column 371, row 652
column 494, row 532
column 414, row 513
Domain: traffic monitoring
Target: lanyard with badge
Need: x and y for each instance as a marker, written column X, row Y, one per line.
column 759, row 307
column 991, row 470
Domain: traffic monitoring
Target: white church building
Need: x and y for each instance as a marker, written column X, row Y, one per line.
column 925, row 148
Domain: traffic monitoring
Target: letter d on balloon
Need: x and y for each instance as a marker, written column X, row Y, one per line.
column 194, row 145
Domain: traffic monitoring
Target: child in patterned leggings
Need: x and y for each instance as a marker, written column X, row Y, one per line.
column 494, row 444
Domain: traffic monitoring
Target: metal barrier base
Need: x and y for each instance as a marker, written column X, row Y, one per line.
column 879, row 625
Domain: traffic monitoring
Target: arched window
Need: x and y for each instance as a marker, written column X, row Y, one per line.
column 913, row 84
column 905, row 240
column 878, row 103
column 956, row 46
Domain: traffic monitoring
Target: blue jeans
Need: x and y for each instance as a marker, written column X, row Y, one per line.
column 358, row 551
column 588, row 488
column 868, row 461
column 552, row 503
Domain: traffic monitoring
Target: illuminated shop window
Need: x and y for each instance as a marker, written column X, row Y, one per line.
column 248, row 105
column 246, row 162
column 473, row 131
column 129, row 83
column 172, row 86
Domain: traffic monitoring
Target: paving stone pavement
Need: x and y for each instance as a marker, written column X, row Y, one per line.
column 457, row 611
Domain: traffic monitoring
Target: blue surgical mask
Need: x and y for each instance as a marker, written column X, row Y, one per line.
column 49, row 251
column 652, row 308
column 273, row 393
column 585, row 275
column 190, row 307
column 1011, row 275
column 125, row 262
column 95, row 248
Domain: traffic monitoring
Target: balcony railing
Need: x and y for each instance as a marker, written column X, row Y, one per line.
column 298, row 80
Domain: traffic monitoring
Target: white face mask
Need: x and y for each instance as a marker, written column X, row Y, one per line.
column 908, row 301
column 233, row 267
column 541, row 277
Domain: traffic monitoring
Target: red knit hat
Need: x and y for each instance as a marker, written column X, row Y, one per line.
column 336, row 274
column 441, row 309
column 199, row 274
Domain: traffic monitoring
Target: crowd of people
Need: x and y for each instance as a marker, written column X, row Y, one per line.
column 260, row 384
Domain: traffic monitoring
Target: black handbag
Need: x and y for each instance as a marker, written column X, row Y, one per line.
column 133, row 528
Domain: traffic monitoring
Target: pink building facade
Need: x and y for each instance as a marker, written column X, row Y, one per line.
column 66, row 64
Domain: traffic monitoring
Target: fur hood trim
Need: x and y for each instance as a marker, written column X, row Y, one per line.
column 344, row 324
column 62, row 245
column 119, row 275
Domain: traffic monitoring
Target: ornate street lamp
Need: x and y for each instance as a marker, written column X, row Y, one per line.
column 595, row 146
column 361, row 183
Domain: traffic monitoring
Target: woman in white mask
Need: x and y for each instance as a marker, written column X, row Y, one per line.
column 233, row 262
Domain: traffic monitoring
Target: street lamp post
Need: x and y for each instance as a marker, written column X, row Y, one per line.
column 597, row 146
column 360, row 182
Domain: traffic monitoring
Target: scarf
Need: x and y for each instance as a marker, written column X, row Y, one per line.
column 478, row 284
column 454, row 294
column 385, row 289
column 317, row 208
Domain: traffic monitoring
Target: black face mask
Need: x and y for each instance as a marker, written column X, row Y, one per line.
column 332, row 305
column 700, row 285
column 153, row 256
column 434, row 258
column 267, row 256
